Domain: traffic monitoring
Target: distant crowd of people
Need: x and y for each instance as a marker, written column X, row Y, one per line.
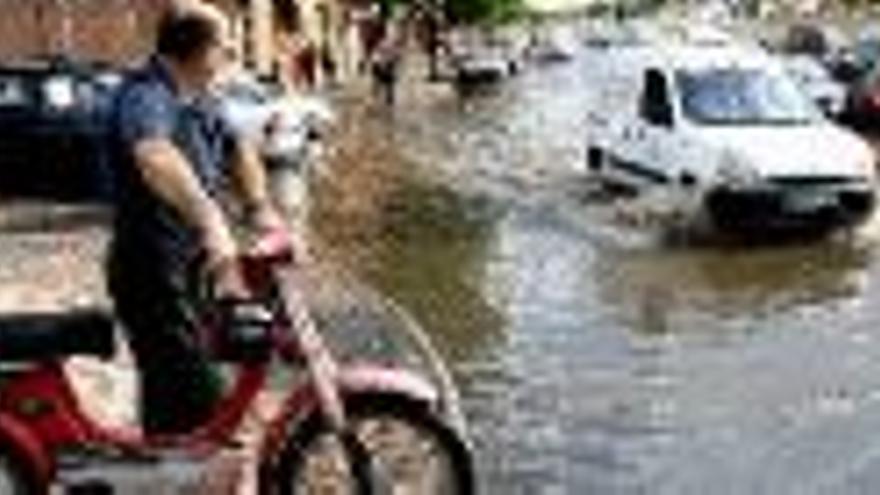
column 381, row 41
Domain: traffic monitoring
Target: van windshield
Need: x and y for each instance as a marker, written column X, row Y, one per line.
column 742, row 97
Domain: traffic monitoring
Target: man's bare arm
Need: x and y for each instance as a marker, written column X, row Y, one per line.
column 249, row 175
column 167, row 172
column 252, row 182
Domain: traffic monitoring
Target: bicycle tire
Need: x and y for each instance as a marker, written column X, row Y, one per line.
column 361, row 409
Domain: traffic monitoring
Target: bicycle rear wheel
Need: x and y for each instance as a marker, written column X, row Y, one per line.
column 408, row 451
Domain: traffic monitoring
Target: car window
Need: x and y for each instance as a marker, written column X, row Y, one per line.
column 742, row 96
column 59, row 91
column 866, row 50
column 872, row 78
column 13, row 92
column 272, row 91
column 245, row 93
column 108, row 80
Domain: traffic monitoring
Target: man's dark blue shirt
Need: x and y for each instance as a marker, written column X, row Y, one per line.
column 146, row 106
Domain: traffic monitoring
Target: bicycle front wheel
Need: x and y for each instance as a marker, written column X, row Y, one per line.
column 402, row 448
column 14, row 479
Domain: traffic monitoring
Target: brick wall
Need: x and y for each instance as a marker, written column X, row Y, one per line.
column 112, row 30
column 121, row 31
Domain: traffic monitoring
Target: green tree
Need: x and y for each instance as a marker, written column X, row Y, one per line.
column 387, row 7
column 483, row 11
column 461, row 11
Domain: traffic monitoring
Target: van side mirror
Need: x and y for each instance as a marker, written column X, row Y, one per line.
column 659, row 114
column 655, row 106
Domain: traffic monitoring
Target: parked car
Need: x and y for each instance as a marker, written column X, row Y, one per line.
column 287, row 130
column 865, row 51
column 476, row 62
column 862, row 105
column 607, row 35
column 552, row 46
column 815, row 40
column 52, row 127
column 816, row 81
column 825, row 44
column 725, row 130
column 280, row 124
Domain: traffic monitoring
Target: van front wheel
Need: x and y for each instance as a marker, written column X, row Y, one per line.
column 595, row 159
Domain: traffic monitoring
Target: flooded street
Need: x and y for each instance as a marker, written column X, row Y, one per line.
column 594, row 357
column 593, row 354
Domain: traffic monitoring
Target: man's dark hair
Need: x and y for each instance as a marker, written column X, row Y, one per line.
column 184, row 34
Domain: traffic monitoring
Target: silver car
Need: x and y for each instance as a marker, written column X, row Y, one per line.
column 287, row 130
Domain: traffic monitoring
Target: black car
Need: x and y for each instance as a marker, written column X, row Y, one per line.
column 52, row 127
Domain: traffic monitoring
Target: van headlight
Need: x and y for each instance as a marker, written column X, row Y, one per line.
column 736, row 173
column 868, row 166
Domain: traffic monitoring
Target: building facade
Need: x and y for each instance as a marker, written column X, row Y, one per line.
column 122, row 31
column 118, row 31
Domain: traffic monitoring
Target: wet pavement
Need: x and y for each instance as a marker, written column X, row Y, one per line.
column 595, row 356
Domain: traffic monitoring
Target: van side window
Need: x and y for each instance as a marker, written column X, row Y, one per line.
column 654, row 105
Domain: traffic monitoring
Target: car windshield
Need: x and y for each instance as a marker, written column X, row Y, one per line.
column 742, row 96
column 252, row 92
column 867, row 46
column 13, row 92
column 805, row 72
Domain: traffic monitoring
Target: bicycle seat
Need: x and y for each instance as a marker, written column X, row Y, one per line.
column 41, row 336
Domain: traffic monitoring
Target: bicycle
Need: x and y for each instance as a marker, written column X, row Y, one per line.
column 345, row 428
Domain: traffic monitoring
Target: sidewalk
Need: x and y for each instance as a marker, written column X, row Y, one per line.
column 52, row 256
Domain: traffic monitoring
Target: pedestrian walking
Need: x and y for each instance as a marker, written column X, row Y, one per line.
column 328, row 64
column 305, row 63
column 385, row 69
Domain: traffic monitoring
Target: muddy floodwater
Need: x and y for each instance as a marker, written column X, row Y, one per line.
column 595, row 356
column 594, row 352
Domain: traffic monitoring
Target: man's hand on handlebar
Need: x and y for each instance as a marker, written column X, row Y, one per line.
column 272, row 233
column 221, row 264
column 268, row 238
column 266, row 218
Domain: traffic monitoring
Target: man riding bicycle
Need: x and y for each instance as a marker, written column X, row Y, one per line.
column 170, row 154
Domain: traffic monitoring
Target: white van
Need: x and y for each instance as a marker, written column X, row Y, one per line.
column 725, row 127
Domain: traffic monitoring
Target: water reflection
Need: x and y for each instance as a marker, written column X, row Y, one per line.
column 431, row 259
column 662, row 291
column 592, row 364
